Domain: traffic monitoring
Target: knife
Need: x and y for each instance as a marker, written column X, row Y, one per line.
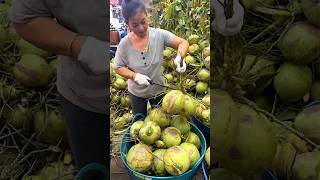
column 153, row 83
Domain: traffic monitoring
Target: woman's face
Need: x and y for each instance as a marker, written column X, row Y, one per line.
column 138, row 24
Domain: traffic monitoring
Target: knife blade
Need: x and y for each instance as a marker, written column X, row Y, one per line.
column 153, row 83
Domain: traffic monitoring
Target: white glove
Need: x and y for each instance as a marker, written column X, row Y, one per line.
column 142, row 79
column 177, row 63
column 227, row 27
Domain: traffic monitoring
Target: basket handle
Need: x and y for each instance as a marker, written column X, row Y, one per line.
column 135, row 117
column 204, row 171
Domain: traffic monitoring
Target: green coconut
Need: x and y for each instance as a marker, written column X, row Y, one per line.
column 135, row 128
column 54, row 66
column 56, row 170
column 201, row 87
column 32, row 71
column 224, row 126
column 115, row 99
column 207, row 62
column 283, row 159
column 194, row 49
column 190, row 59
column 305, row 166
column 206, row 100
column 181, row 123
column 120, row 83
column 27, row 48
column 171, row 136
column 292, row 82
column 206, row 52
column 204, row 43
column 301, row 43
column 140, row 158
column 21, row 118
column 160, row 144
column 255, row 145
column 223, row 174
column 193, row 39
column 125, row 101
column 157, row 115
column 176, row 160
column 149, row 132
column 207, row 157
column 173, row 102
column 189, row 107
column 169, row 77
column 167, row 53
column 315, row 90
column 193, row 152
column 193, row 139
column 205, row 115
column 199, row 109
column 51, row 127
column 122, row 121
column 311, row 9
column 158, row 166
column 308, row 122
column 204, row 74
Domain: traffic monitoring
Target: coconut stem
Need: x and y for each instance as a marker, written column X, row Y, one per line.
column 274, row 119
column 272, row 11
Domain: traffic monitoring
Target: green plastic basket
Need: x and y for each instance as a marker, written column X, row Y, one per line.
column 125, row 146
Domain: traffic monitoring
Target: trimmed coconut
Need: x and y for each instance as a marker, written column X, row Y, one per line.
column 176, row 160
column 140, row 158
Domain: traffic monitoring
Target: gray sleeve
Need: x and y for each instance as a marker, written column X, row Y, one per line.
column 23, row 11
column 120, row 57
column 94, row 55
column 167, row 36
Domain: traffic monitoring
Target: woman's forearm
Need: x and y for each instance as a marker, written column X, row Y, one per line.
column 125, row 72
column 183, row 48
column 49, row 35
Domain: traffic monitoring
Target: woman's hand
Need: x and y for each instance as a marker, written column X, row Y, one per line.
column 178, row 63
column 224, row 26
column 142, row 79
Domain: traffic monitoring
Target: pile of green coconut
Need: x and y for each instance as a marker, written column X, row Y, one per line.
column 164, row 143
column 266, row 113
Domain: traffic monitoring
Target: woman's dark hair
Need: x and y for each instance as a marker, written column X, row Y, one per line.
column 131, row 7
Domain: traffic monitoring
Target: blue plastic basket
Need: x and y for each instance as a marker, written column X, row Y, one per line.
column 203, row 128
column 125, row 146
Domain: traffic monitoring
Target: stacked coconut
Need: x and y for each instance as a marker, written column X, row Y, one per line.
column 195, row 81
column 282, row 80
column 165, row 144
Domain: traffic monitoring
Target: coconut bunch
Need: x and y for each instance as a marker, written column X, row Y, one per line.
column 195, row 81
column 193, row 17
column 165, row 145
column 272, row 67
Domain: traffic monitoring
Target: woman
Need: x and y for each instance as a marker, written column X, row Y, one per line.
column 139, row 56
column 80, row 39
